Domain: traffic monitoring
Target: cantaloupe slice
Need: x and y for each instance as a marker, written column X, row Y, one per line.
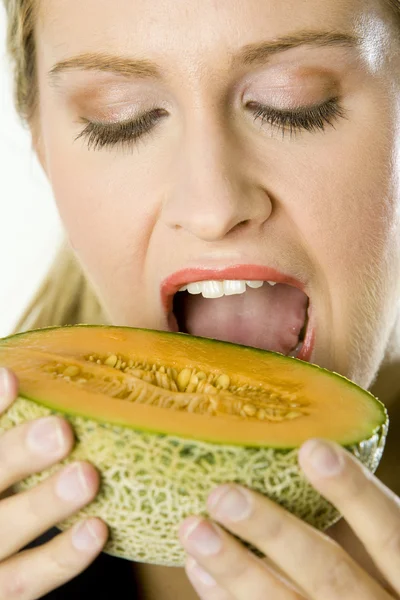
column 166, row 417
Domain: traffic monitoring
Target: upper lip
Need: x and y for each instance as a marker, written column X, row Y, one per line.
column 172, row 284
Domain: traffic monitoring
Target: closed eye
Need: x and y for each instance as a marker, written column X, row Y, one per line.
column 313, row 119
column 102, row 135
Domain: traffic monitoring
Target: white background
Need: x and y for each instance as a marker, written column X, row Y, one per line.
column 30, row 227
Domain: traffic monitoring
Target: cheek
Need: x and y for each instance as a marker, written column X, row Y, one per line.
column 351, row 224
column 350, row 214
column 106, row 200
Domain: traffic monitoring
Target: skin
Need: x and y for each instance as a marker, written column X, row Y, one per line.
column 323, row 206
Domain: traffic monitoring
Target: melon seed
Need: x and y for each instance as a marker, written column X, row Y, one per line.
column 194, row 403
column 201, row 385
column 224, row 381
column 210, row 389
column 201, row 375
column 183, row 379
column 137, row 373
column 165, row 381
column 250, row 409
column 193, row 383
column 293, row 414
column 71, row 371
column 275, row 416
column 111, row 361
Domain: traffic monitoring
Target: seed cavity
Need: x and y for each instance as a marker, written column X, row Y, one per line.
column 190, row 390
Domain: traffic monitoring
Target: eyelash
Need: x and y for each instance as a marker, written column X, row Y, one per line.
column 99, row 135
column 315, row 118
column 312, row 119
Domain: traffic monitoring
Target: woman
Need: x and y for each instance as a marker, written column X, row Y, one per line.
column 200, row 140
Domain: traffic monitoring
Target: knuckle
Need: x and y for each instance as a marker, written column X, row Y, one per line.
column 356, row 485
column 35, row 503
column 336, row 579
column 271, row 530
column 238, row 577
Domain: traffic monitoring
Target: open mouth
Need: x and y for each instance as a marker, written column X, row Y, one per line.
column 263, row 314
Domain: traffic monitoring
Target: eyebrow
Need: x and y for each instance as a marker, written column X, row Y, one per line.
column 249, row 54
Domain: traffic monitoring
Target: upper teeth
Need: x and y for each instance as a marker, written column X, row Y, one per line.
column 216, row 289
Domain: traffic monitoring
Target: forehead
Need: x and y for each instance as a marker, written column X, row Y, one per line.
column 191, row 32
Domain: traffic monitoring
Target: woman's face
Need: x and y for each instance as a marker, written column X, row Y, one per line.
column 209, row 172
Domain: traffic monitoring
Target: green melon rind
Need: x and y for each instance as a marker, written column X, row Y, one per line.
column 151, row 482
column 243, row 349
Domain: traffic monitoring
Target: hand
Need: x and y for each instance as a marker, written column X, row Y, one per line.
column 302, row 563
column 28, row 449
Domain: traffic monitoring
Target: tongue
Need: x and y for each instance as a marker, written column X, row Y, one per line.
column 270, row 318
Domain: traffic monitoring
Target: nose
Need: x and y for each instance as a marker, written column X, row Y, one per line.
column 213, row 189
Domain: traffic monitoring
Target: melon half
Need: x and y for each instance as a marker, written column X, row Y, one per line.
column 166, row 417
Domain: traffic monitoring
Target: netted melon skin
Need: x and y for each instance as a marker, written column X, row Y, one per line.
column 151, row 482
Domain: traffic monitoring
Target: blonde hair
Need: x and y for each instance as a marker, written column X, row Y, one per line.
column 65, row 296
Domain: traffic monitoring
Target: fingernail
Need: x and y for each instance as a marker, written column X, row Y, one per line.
column 71, row 484
column 84, row 536
column 199, row 573
column 5, row 387
column 45, row 436
column 323, row 458
column 230, row 502
column 200, row 536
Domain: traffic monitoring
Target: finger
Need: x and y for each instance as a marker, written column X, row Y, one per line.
column 8, row 388
column 318, row 565
column 234, row 568
column 8, row 393
column 31, row 447
column 370, row 508
column 33, row 573
column 27, row 515
column 205, row 585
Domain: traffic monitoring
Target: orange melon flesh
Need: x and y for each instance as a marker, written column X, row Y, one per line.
column 337, row 408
